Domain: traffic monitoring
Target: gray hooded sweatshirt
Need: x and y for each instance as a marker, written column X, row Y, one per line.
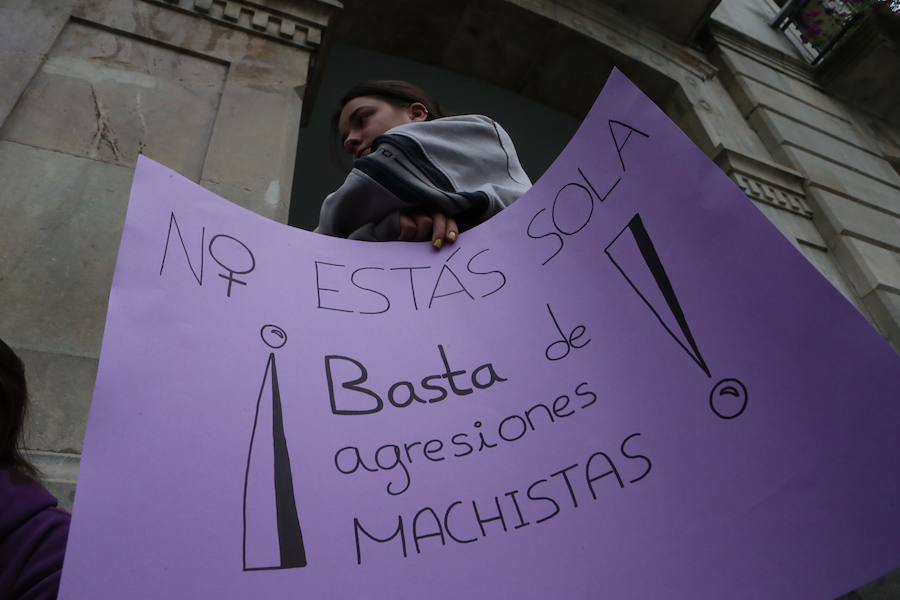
column 464, row 167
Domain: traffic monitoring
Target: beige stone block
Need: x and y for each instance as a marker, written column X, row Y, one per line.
column 58, row 472
column 93, row 83
column 64, row 491
column 250, row 159
column 794, row 227
column 788, row 131
column 149, row 21
column 869, row 267
column 62, row 218
column 742, row 62
column 750, row 95
column 762, row 97
column 60, row 388
column 881, row 136
column 317, row 11
column 836, row 216
column 712, row 105
column 249, row 147
column 232, row 11
column 109, row 97
column 834, row 177
column 884, row 306
column 825, row 265
column 736, row 84
column 27, row 32
column 287, row 29
column 788, row 78
column 249, row 54
column 765, row 180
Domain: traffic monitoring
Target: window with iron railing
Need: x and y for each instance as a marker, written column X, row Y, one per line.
column 819, row 25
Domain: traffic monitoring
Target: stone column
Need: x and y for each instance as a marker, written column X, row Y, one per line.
column 851, row 190
column 211, row 88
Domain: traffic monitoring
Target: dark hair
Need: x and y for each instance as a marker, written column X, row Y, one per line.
column 399, row 93
column 13, row 407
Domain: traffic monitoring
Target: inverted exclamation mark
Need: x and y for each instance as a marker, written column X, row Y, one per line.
column 272, row 535
column 632, row 252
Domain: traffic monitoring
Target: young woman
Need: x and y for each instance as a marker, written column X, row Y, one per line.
column 418, row 174
column 33, row 531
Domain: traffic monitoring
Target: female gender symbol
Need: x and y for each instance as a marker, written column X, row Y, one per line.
column 230, row 278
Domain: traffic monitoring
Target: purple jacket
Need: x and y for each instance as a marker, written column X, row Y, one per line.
column 33, row 536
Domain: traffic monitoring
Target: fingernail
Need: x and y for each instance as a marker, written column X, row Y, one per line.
column 451, row 236
column 438, row 243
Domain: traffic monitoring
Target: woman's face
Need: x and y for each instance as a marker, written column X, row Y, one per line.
column 365, row 118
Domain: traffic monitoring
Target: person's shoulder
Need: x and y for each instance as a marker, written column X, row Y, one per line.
column 33, row 536
column 25, row 503
column 455, row 122
column 449, row 132
column 471, row 118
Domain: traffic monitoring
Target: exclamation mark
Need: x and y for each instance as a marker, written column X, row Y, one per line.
column 637, row 260
column 272, row 535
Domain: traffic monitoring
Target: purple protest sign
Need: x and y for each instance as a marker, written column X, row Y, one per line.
column 626, row 385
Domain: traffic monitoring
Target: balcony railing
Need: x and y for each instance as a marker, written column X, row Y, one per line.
column 820, row 24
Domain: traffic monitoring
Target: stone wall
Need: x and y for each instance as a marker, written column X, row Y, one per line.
column 210, row 88
column 842, row 154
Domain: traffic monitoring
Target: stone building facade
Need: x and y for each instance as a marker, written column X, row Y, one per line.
column 213, row 89
column 219, row 90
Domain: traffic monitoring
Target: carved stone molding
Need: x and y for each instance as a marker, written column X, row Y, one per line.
column 765, row 182
column 285, row 27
